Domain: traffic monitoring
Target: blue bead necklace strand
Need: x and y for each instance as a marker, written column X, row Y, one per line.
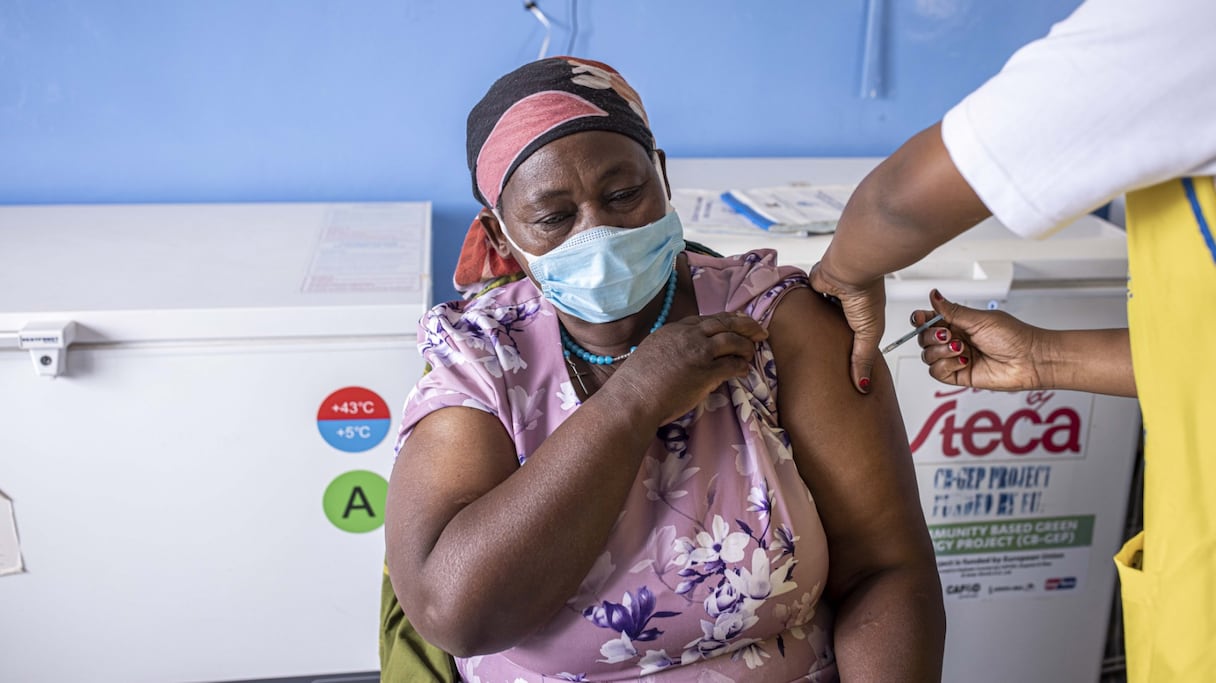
column 571, row 347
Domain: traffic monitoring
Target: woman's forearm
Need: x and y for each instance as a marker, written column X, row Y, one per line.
column 494, row 559
column 891, row 627
column 506, row 563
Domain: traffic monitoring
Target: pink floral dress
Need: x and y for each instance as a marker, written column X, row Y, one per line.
column 715, row 568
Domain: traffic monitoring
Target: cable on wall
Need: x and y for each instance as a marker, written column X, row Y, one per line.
column 573, row 26
column 532, row 7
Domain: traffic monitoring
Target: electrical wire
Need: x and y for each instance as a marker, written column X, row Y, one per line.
column 573, row 26
column 872, row 67
column 531, row 6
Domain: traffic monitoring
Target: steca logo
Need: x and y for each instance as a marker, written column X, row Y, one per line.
column 1022, row 430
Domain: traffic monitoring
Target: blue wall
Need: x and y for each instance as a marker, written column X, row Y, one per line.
column 320, row 100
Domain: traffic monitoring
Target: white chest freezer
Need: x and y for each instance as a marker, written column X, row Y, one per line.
column 198, row 477
column 1025, row 493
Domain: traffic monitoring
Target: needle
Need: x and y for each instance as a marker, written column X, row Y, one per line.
column 928, row 323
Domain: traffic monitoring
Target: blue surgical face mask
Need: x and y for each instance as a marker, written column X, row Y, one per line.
column 605, row 274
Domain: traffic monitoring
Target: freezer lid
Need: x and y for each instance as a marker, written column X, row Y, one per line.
column 181, row 272
column 981, row 264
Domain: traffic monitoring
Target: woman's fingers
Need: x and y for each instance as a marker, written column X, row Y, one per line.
column 681, row 363
column 734, row 336
column 934, row 336
column 952, row 370
column 955, row 348
column 701, row 341
column 737, row 322
column 919, row 317
column 946, row 354
column 863, row 309
column 944, row 347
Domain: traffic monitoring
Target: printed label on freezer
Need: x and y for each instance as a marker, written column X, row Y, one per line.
column 983, row 455
column 353, row 419
column 959, row 425
column 370, row 248
column 998, row 474
column 1034, row 557
column 354, row 501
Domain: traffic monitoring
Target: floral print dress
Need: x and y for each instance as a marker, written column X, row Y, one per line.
column 715, row 568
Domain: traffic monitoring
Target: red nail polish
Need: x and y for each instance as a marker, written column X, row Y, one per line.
column 937, row 296
column 962, row 360
column 941, row 336
column 956, row 346
column 864, row 383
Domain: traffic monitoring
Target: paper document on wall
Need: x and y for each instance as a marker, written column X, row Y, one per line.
column 801, row 208
column 703, row 211
column 10, row 546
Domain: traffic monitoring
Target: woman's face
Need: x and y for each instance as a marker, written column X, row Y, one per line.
column 579, row 182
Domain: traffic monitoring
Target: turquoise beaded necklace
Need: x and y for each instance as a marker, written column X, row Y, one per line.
column 571, row 347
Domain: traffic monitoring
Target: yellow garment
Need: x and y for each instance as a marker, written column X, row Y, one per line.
column 404, row 656
column 1168, row 572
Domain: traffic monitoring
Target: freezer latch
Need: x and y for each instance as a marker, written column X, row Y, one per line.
column 48, row 344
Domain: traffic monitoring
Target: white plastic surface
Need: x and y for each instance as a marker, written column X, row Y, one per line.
column 165, row 272
column 983, row 263
column 170, row 484
column 171, row 520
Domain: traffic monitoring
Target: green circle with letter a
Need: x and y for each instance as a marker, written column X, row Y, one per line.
column 354, row 501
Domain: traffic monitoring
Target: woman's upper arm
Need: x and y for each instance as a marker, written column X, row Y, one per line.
column 452, row 457
column 850, row 448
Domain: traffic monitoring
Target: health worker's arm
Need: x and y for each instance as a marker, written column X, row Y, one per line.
column 994, row 350
column 912, row 203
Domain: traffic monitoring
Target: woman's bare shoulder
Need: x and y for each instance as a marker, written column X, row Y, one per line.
column 805, row 323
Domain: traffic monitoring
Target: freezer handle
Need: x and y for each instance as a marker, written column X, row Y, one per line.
column 47, row 342
column 978, row 280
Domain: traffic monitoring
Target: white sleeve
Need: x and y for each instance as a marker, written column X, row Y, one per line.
column 1120, row 95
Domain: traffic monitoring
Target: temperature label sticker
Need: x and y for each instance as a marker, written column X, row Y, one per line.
column 353, row 419
column 354, row 501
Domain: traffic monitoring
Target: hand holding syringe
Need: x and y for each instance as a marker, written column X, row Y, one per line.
column 927, row 324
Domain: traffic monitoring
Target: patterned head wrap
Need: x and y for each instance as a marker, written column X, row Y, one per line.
column 523, row 111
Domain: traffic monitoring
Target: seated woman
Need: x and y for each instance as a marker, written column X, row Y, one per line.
column 638, row 460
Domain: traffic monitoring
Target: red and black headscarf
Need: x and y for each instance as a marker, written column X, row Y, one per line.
column 525, row 110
